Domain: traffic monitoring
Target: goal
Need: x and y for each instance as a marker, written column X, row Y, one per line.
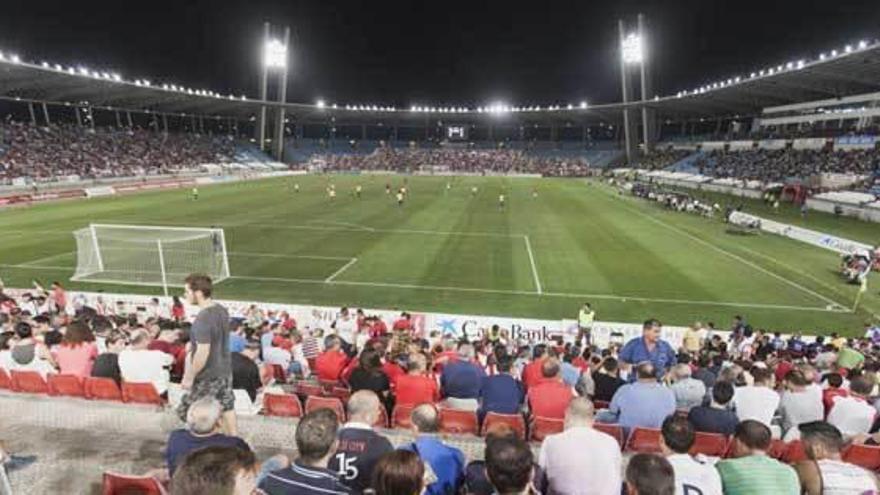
column 148, row 255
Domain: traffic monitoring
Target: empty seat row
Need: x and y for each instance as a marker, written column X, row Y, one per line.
column 31, row 382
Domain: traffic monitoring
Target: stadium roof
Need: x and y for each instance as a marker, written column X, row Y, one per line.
column 854, row 70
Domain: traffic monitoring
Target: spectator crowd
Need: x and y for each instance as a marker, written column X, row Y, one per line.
column 779, row 165
column 45, row 153
column 498, row 161
column 751, row 385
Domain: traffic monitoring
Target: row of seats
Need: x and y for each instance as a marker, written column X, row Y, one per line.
column 31, row 382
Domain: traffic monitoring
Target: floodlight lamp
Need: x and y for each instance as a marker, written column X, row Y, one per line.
column 847, row 48
column 631, row 49
column 320, row 103
column 833, row 53
column 275, row 54
column 15, row 59
column 583, row 104
column 58, row 67
column 863, row 44
column 45, row 65
column 83, row 71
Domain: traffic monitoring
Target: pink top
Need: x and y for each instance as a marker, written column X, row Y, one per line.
column 76, row 360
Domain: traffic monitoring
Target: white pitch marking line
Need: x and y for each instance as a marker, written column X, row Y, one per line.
column 292, row 256
column 46, row 258
column 344, row 224
column 339, row 272
column 38, row 267
column 532, row 262
column 533, row 294
column 736, row 257
column 351, row 229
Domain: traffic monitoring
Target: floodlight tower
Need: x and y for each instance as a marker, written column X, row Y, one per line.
column 275, row 55
column 632, row 52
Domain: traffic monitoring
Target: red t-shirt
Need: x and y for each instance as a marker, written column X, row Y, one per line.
column 289, row 324
column 415, row 389
column 402, row 324
column 178, row 312
column 532, row 373
column 329, row 365
column 282, row 342
column 581, row 363
column 392, row 371
column 782, row 369
column 378, row 329
column 549, row 399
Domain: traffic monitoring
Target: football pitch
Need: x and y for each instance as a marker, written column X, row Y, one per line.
column 447, row 250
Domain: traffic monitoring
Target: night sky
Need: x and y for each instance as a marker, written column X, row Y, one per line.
column 439, row 53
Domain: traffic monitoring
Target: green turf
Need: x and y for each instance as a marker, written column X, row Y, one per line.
column 453, row 252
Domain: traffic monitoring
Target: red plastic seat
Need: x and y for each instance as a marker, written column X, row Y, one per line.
column 101, row 389
column 541, row 428
column 29, row 382
column 600, row 404
column 400, row 416
column 644, row 440
column 794, row 452
column 515, row 421
column 459, row 422
column 313, row 403
column 285, row 405
column 382, row 419
column 866, row 456
column 122, row 484
column 279, row 373
column 776, row 450
column 307, row 389
column 141, row 393
column 69, row 385
column 614, row 430
column 341, row 393
column 712, row 444
column 5, row 381
column 329, row 385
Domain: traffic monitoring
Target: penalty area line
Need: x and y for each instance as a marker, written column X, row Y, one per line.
column 339, row 272
column 532, row 262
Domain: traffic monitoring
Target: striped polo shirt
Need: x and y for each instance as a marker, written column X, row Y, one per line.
column 758, row 474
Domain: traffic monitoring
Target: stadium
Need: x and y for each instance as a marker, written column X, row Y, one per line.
column 250, row 291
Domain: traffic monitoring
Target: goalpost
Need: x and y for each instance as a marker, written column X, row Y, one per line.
column 148, row 255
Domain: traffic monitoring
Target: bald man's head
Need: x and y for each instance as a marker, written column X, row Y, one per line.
column 579, row 413
column 425, row 418
column 363, row 407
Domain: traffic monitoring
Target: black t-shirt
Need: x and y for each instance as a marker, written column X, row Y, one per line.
column 364, row 380
column 712, row 420
column 606, row 385
column 359, row 450
column 245, row 375
column 107, row 366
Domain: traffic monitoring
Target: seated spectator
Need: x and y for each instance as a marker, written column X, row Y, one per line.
column 549, row 398
column 77, row 352
column 703, row 373
column 607, row 380
column 330, row 363
column 751, row 470
column 360, row 447
column 28, row 354
column 692, row 474
column 509, row 466
column 141, row 365
column 689, row 392
column 445, row 461
column 501, row 393
column 571, row 374
column 716, row 417
column 237, row 338
column 461, row 380
column 203, row 429
column 798, row 404
column 475, row 480
column 216, row 470
column 369, row 375
column 315, row 443
column 107, row 364
column 593, row 471
column 245, row 372
column 415, row 387
column 825, row 472
column 649, row 474
column 853, row 415
column 835, row 389
column 399, row 472
column 645, row 403
column 759, row 401
column 532, row 373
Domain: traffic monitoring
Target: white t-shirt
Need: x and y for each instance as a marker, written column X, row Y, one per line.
column 851, row 415
column 572, row 468
column 346, row 328
column 143, row 365
column 758, row 403
column 695, row 475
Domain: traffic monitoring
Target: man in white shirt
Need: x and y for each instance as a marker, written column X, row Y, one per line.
column 569, row 467
column 852, row 414
column 692, row 474
column 759, row 401
column 138, row 364
column 346, row 328
column 799, row 404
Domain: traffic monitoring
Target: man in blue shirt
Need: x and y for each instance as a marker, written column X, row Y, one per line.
column 446, row 462
column 649, row 347
column 202, row 430
column 461, row 380
column 645, row 403
column 501, row 393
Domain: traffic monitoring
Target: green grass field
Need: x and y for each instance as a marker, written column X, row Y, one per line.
column 448, row 251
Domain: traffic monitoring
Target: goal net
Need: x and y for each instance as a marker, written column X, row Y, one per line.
column 146, row 255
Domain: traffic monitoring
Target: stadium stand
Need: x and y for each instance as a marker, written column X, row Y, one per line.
column 285, row 397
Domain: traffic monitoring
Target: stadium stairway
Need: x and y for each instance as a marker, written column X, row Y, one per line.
column 686, row 164
column 248, row 152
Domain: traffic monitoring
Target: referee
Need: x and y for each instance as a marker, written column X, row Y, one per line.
column 585, row 323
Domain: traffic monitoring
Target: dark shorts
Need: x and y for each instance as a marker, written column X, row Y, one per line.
column 217, row 388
